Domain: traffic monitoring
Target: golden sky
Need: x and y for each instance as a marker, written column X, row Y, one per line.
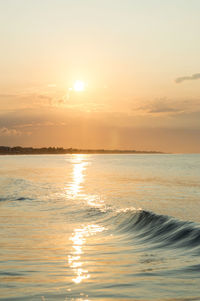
column 100, row 74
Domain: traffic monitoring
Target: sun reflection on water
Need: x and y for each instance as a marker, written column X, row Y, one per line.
column 79, row 165
column 81, row 236
column 75, row 188
column 78, row 239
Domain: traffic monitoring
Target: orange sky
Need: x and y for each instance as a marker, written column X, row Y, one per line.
column 138, row 61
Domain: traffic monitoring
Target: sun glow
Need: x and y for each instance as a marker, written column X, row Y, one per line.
column 79, row 86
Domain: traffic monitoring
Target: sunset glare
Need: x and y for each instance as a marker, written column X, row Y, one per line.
column 126, row 74
column 79, row 86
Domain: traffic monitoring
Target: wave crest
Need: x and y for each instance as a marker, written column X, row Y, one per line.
column 160, row 230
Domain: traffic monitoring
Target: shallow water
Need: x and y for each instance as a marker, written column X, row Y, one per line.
column 106, row 227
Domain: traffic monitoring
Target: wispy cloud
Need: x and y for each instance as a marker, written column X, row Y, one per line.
column 9, row 132
column 195, row 76
column 51, row 85
column 7, row 95
column 162, row 106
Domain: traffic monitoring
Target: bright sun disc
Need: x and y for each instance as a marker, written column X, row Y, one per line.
column 79, row 86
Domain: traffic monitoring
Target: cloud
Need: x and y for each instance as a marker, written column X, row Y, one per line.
column 7, row 95
column 9, row 132
column 185, row 78
column 162, row 106
column 51, row 85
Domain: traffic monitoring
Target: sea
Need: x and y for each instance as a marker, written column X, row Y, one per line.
column 100, row 227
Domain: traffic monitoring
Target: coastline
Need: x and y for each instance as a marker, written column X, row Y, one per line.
column 5, row 150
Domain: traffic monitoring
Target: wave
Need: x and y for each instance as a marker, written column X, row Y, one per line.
column 14, row 199
column 159, row 230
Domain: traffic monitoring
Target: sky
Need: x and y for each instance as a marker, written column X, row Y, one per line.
column 137, row 60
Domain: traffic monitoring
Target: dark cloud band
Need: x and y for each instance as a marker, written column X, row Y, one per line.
column 184, row 78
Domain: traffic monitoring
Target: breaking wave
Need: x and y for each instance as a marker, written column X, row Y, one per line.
column 159, row 230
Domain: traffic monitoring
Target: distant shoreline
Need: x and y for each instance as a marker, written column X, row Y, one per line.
column 18, row 150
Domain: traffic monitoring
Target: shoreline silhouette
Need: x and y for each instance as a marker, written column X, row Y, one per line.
column 18, row 150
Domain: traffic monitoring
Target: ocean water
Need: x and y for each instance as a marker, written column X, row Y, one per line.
column 100, row 227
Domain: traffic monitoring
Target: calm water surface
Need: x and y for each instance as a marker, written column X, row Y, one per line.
column 100, row 227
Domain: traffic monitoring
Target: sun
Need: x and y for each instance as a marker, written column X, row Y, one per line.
column 79, row 86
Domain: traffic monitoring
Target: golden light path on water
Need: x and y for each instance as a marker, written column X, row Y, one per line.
column 79, row 239
column 77, row 175
column 74, row 190
column 81, row 235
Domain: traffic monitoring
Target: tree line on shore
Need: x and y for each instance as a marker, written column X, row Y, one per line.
column 18, row 150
